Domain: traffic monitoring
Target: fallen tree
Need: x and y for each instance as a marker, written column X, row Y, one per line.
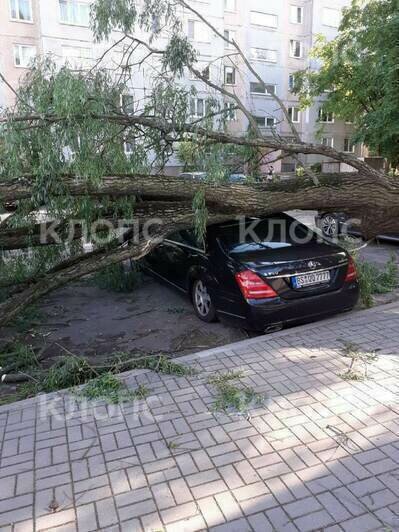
column 62, row 157
column 363, row 196
column 350, row 193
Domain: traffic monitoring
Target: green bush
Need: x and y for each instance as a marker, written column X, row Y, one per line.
column 373, row 281
column 117, row 279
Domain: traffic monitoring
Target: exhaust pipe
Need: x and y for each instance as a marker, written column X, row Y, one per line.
column 274, row 327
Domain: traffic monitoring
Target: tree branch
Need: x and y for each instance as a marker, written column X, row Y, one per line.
column 168, row 127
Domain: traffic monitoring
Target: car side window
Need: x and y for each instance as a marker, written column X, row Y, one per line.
column 187, row 237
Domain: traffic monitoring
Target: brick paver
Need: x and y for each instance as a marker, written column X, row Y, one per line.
column 321, row 453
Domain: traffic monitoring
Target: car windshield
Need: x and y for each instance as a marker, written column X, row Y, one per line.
column 268, row 233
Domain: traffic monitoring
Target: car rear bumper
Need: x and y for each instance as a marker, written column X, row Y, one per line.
column 263, row 315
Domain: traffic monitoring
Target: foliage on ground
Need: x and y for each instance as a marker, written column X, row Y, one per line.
column 160, row 363
column 71, row 371
column 19, row 355
column 111, row 389
column 360, row 361
column 66, row 372
column 232, row 395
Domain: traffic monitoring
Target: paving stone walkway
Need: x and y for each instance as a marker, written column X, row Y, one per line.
column 322, row 453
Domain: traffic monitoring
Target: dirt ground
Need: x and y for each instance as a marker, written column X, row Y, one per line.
column 91, row 322
column 94, row 322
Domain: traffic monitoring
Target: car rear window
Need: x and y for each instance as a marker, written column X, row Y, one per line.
column 267, row 233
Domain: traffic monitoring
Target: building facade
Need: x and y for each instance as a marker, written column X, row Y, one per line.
column 276, row 35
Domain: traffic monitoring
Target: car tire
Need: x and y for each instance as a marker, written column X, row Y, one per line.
column 329, row 225
column 202, row 302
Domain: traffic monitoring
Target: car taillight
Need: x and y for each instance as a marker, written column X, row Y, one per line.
column 254, row 287
column 351, row 273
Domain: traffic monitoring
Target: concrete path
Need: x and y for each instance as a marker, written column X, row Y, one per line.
column 322, row 453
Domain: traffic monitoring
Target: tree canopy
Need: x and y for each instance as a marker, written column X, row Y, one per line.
column 359, row 75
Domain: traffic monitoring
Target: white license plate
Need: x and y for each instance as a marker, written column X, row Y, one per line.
column 309, row 279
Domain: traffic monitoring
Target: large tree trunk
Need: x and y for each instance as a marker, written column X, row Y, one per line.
column 374, row 201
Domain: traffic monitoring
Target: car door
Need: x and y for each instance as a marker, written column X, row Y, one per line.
column 183, row 252
column 174, row 259
column 163, row 260
column 175, row 256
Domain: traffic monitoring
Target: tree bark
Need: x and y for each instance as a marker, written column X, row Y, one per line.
column 352, row 193
column 58, row 231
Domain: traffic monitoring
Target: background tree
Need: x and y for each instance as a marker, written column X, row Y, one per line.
column 62, row 156
column 359, row 75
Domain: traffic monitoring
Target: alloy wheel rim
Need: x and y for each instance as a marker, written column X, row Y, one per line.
column 329, row 226
column 202, row 299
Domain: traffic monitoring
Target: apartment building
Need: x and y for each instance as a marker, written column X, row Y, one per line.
column 276, row 35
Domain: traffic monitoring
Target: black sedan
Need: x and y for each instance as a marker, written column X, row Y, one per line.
column 258, row 274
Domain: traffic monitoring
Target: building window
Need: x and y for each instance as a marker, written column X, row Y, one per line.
column 229, row 5
column 21, row 10
column 260, row 88
column 260, row 120
column 331, row 17
column 74, row 12
column 263, row 19
column 197, row 107
column 291, row 82
column 296, row 49
column 326, row 117
column 230, row 111
column 229, row 75
column 128, row 148
column 296, row 15
column 328, row 141
column 198, row 31
column 263, row 122
column 23, row 55
column 230, row 35
column 262, row 54
column 295, row 114
column 349, row 147
column 191, row 29
column 77, row 56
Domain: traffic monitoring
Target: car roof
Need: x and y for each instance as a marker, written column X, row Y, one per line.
column 248, row 219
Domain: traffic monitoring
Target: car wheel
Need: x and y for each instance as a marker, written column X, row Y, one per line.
column 202, row 301
column 329, row 225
